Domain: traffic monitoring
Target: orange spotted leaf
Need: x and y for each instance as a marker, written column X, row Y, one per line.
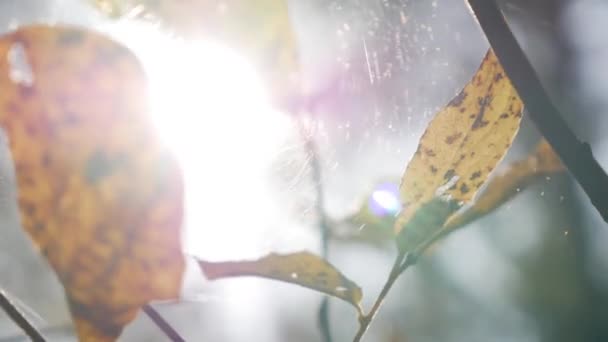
column 459, row 149
column 99, row 195
column 502, row 187
column 365, row 226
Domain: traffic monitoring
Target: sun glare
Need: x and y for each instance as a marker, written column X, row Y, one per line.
column 385, row 200
column 212, row 109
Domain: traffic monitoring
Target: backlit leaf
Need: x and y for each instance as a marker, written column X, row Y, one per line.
column 302, row 268
column 368, row 227
column 99, row 195
column 460, row 147
column 502, row 187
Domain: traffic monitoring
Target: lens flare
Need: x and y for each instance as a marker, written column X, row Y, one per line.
column 385, row 200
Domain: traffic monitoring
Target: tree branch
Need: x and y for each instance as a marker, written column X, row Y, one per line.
column 19, row 319
column 163, row 325
column 575, row 154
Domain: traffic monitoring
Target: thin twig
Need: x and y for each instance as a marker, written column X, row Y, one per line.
column 315, row 166
column 163, row 325
column 575, row 154
column 402, row 263
column 65, row 329
column 323, row 317
column 323, row 225
column 19, row 319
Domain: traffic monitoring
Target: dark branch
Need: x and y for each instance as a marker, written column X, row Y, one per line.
column 575, row 155
column 163, row 325
column 64, row 329
column 19, row 319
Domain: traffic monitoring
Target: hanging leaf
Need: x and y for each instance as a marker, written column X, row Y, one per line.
column 98, row 194
column 369, row 227
column 457, row 152
column 261, row 30
column 502, row 187
column 303, row 268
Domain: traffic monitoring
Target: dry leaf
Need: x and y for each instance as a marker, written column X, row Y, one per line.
column 98, row 194
column 502, row 187
column 368, row 227
column 458, row 150
column 303, row 268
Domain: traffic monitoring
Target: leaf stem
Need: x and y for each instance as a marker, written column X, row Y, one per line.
column 402, row 263
column 19, row 319
column 162, row 324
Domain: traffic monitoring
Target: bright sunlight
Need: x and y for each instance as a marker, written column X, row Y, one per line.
column 212, row 109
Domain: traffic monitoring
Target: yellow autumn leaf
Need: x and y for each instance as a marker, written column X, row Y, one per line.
column 369, row 227
column 261, row 30
column 502, row 187
column 99, row 195
column 460, row 147
column 302, row 268
column 542, row 162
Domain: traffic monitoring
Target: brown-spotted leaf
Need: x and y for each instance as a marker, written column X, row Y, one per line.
column 502, row 187
column 99, row 195
column 460, row 147
column 302, row 268
column 518, row 175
